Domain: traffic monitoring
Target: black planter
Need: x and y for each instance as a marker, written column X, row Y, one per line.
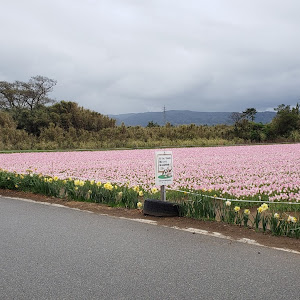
column 158, row 208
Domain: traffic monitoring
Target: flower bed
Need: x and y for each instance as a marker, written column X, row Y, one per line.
column 251, row 174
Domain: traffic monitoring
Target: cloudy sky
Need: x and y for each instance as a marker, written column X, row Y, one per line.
column 121, row 56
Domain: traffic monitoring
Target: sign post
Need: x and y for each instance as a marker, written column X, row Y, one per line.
column 163, row 171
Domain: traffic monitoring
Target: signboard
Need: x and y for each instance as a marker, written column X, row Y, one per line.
column 163, row 167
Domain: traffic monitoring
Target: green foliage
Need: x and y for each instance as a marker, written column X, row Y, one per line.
column 152, row 124
column 65, row 125
column 70, row 189
column 263, row 218
column 250, row 113
column 286, row 122
column 198, row 206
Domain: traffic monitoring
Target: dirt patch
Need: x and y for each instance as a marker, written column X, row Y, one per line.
column 234, row 231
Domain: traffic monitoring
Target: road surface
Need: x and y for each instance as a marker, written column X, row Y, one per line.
column 49, row 252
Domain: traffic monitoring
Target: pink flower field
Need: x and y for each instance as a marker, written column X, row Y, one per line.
column 240, row 171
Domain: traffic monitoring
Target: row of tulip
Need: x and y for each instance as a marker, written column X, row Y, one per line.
column 260, row 172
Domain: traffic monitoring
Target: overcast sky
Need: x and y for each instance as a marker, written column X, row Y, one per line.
column 121, row 56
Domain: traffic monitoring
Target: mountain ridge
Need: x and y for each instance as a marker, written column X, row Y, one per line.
column 181, row 117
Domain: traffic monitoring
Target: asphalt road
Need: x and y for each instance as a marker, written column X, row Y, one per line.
column 49, row 252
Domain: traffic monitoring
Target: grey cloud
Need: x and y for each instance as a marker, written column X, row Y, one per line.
column 133, row 56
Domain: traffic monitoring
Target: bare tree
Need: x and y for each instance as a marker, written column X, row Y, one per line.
column 236, row 117
column 26, row 94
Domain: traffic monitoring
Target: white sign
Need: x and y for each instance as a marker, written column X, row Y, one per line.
column 163, row 167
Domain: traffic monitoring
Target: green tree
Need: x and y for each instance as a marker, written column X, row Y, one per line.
column 249, row 114
column 286, row 120
column 152, row 124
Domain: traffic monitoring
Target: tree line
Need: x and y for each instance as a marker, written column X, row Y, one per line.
column 30, row 119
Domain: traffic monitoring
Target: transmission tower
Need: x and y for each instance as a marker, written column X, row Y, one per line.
column 164, row 115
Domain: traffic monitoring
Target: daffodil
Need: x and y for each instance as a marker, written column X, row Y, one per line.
column 276, row 216
column 141, row 194
column 264, row 206
column 236, row 208
column 247, row 212
column 108, row 186
column 228, row 203
column 139, row 205
column 154, row 190
column 292, row 219
column 260, row 210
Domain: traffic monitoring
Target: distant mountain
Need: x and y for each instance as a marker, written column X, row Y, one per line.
column 179, row 117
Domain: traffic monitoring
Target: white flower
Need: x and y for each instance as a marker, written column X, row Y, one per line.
column 292, row 219
column 227, row 203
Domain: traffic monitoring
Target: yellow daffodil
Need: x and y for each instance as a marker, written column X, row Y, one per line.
column 260, row 210
column 139, row 205
column 154, row 190
column 108, row 186
column 264, row 206
column 236, row 208
column 141, row 193
column 247, row 212
column 276, row 216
